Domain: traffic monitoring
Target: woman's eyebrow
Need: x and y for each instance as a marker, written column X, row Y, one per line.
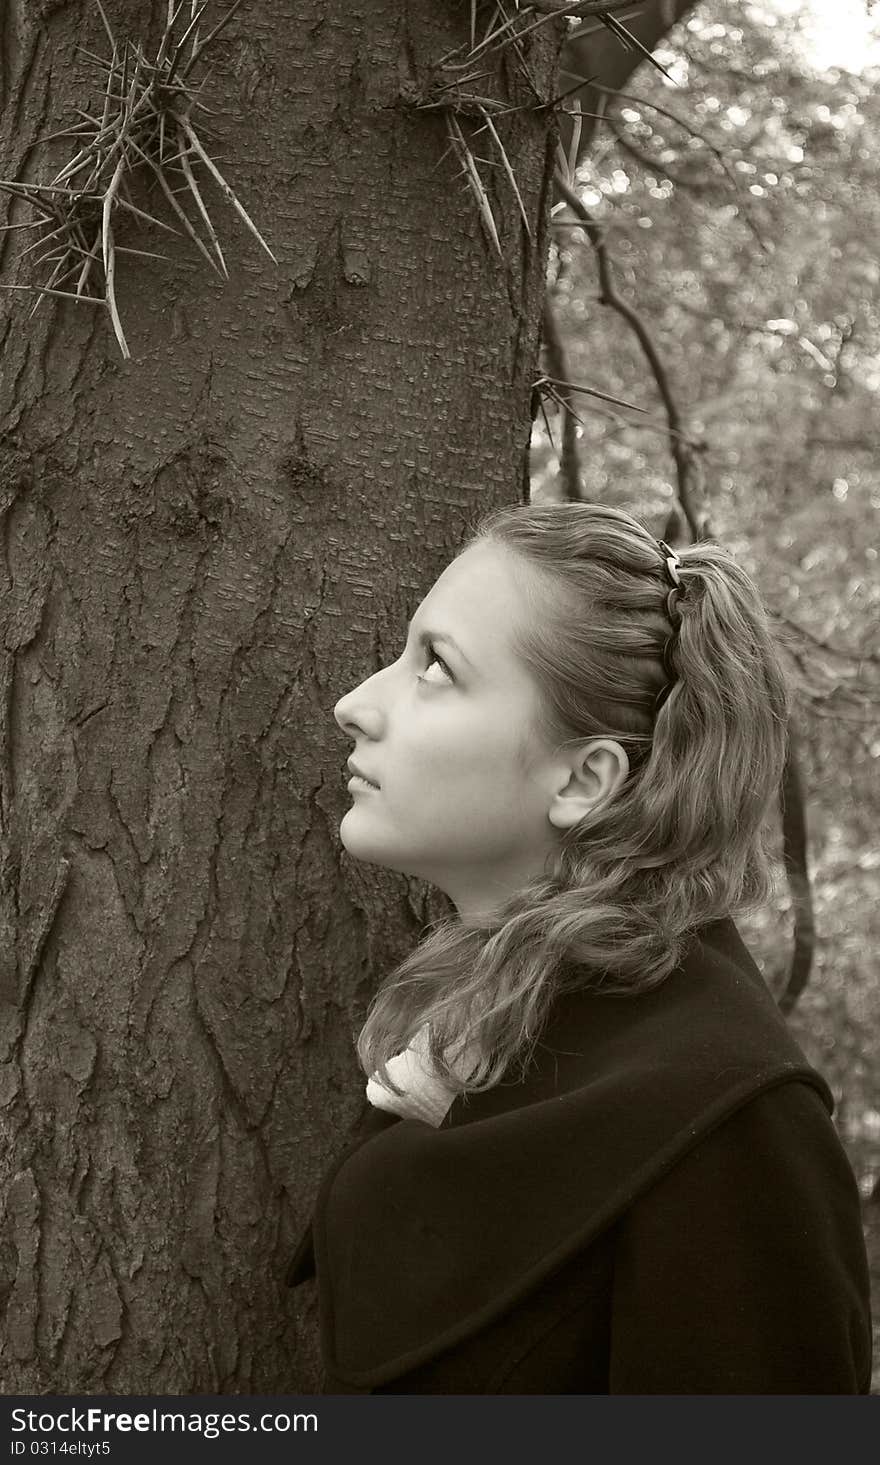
column 426, row 635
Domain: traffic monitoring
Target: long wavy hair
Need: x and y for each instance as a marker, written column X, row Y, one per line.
column 685, row 840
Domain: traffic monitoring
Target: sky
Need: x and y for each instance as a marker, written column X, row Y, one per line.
column 842, row 33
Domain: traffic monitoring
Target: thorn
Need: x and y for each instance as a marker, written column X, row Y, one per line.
column 106, row 23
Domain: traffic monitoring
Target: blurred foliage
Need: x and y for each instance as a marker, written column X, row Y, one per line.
column 750, row 252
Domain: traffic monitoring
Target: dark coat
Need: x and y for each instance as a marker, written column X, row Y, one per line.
column 662, row 1205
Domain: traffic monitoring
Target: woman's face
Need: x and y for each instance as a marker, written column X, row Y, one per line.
column 448, row 734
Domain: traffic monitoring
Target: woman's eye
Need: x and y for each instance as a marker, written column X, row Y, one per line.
column 432, row 658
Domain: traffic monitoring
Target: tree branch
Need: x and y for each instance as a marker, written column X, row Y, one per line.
column 700, row 136
column 842, row 652
column 600, row 54
column 682, row 448
column 654, row 165
column 584, row 8
column 569, row 460
column 794, row 854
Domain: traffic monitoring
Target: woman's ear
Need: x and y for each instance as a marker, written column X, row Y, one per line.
column 600, row 769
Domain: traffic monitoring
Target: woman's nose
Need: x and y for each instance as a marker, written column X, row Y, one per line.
column 351, row 709
column 361, row 708
column 340, row 712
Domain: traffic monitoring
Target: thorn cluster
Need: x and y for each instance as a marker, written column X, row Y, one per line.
column 471, row 173
column 509, row 25
column 553, row 389
column 146, row 122
column 456, row 98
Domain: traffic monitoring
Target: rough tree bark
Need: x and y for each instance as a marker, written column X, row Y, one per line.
column 203, row 547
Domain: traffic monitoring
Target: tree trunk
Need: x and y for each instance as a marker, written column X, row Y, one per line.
column 204, row 547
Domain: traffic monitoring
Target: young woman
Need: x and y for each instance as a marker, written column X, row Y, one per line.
column 592, row 1158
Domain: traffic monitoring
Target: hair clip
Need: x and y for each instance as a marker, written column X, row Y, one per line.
column 672, row 562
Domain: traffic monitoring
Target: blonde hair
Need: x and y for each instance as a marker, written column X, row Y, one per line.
column 683, row 842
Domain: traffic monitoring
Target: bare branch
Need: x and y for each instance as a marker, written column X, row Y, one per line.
column 794, row 853
column 697, row 133
column 682, row 448
column 646, row 160
column 569, row 464
column 842, row 653
column 585, row 8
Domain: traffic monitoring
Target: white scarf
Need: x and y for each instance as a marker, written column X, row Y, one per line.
column 426, row 1095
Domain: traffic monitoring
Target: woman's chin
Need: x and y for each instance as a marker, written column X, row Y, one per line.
column 356, row 840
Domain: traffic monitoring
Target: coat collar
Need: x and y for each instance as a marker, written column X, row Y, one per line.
column 423, row 1235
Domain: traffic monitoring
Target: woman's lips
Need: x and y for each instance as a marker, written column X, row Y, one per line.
column 361, row 785
column 359, row 774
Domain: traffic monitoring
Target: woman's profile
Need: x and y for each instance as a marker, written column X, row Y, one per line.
column 592, row 1158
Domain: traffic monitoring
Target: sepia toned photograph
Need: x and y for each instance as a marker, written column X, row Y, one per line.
column 440, row 714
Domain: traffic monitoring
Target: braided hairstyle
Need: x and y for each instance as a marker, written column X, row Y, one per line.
column 672, row 656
